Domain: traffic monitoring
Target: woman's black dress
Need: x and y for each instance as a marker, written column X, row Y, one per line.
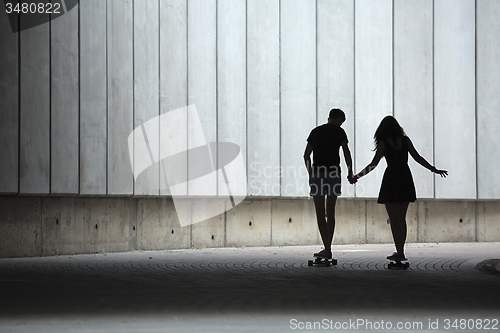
column 397, row 184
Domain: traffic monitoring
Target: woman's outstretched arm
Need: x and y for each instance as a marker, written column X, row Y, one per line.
column 422, row 161
column 373, row 164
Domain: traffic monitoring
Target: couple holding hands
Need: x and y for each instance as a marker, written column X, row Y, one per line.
column 396, row 191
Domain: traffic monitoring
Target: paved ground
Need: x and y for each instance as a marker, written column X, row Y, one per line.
column 268, row 289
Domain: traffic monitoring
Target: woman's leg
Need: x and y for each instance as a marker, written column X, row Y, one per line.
column 397, row 217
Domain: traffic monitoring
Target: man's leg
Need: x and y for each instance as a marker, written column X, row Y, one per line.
column 319, row 203
column 331, row 200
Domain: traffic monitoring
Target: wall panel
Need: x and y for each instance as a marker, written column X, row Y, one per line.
column 335, row 70
column 262, row 74
column 120, row 95
column 202, row 78
column 64, row 104
column 488, row 98
column 373, row 75
column 413, row 83
column 454, row 96
column 93, row 97
column 173, row 67
column 263, row 97
column 9, row 101
column 231, row 74
column 298, row 91
column 146, row 90
column 34, row 171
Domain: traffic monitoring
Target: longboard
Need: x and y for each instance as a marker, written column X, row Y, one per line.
column 320, row 261
column 398, row 264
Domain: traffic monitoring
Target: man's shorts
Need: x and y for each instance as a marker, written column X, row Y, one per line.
column 324, row 183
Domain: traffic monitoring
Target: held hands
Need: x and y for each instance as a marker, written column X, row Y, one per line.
column 352, row 179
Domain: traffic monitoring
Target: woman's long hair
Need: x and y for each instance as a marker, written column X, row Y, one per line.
column 389, row 127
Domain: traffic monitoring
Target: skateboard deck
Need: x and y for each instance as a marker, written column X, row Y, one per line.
column 320, row 261
column 398, row 264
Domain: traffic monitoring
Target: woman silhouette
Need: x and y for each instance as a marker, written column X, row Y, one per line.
column 397, row 189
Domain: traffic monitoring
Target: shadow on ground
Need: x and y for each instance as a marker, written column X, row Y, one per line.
column 272, row 281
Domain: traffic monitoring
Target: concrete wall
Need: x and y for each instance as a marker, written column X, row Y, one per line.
column 488, row 97
column 454, row 97
column 373, row 84
column 413, row 98
column 35, row 226
column 262, row 74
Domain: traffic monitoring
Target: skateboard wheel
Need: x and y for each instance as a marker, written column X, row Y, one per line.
column 309, row 263
column 334, row 262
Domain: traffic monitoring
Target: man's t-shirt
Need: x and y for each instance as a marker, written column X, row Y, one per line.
column 326, row 141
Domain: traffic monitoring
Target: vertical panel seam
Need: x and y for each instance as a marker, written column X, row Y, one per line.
column 279, row 99
column 433, row 97
column 224, row 242
column 354, row 89
column 107, row 98
column 191, row 244
column 50, row 104
column 216, row 162
column 187, row 94
column 316, row 51
column 418, row 221
column 132, row 6
column 271, row 227
column 392, row 69
column 246, row 93
column 476, row 220
column 316, row 63
column 78, row 190
column 19, row 101
column 159, row 98
column 366, row 220
column 476, row 103
column 40, row 221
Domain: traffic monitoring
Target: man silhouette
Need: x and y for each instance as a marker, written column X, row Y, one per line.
column 324, row 142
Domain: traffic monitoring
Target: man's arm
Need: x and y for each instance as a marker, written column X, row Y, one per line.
column 348, row 160
column 307, row 158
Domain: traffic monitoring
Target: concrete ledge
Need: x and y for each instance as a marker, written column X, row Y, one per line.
column 41, row 226
column 488, row 221
column 211, row 232
column 158, row 225
column 293, row 223
column 249, row 224
column 350, row 222
column 447, row 221
column 20, row 227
